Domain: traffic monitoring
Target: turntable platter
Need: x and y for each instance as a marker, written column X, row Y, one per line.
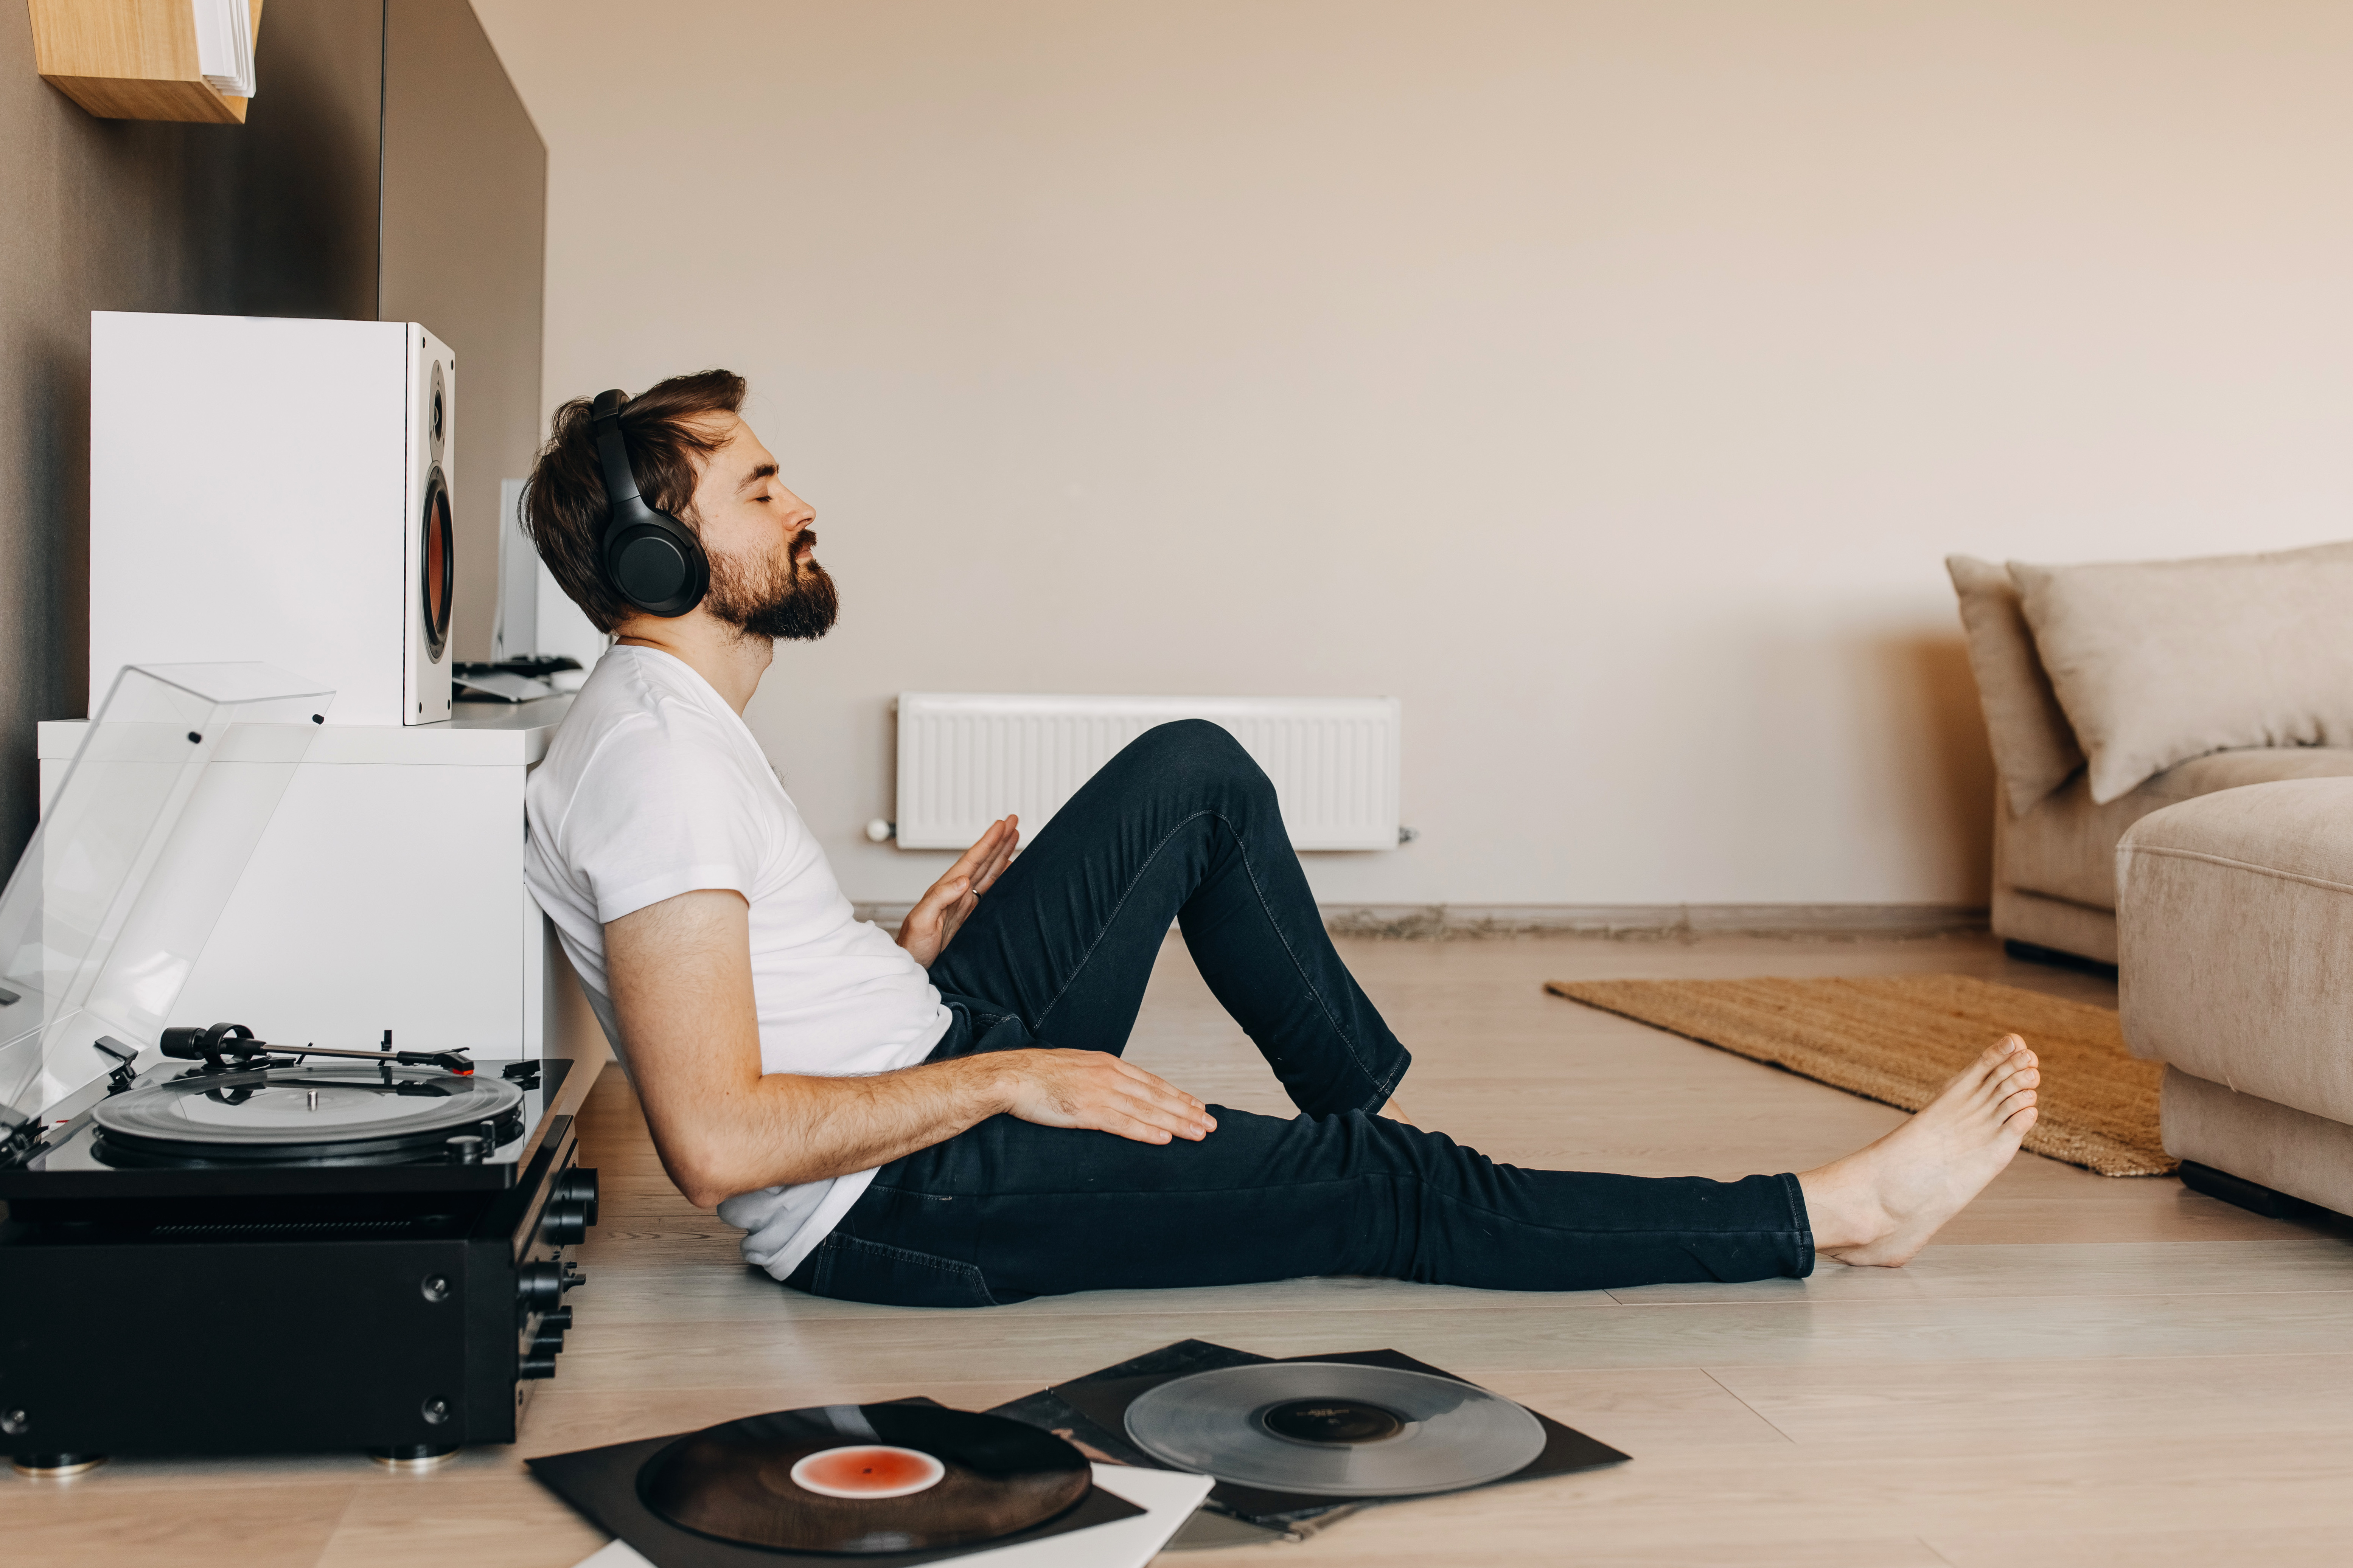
column 303, row 1112
column 308, row 1106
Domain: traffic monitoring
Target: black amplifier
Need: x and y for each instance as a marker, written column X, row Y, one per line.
column 386, row 1283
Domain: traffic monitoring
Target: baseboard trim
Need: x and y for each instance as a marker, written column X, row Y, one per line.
column 1625, row 922
column 1455, row 922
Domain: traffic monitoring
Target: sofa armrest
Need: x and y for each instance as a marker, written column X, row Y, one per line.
column 2234, row 921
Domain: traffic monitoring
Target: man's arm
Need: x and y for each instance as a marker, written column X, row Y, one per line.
column 681, row 976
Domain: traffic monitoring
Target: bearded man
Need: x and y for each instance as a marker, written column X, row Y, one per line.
column 944, row 1118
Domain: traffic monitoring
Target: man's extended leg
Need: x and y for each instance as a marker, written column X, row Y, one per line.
column 1008, row 1209
column 1181, row 824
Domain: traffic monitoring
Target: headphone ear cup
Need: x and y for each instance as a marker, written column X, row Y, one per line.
column 658, row 565
column 652, row 560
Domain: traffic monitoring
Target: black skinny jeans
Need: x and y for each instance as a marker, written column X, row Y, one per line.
column 1183, row 822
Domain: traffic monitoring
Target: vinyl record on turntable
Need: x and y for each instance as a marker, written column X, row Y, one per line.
column 302, row 1113
column 1334, row 1429
column 864, row 1480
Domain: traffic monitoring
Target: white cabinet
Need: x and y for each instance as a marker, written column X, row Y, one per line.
column 387, row 893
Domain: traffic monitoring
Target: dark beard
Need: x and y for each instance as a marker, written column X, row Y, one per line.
column 775, row 598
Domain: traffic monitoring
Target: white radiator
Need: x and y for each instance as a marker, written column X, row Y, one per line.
column 966, row 759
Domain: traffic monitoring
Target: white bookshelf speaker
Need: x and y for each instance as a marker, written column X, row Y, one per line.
column 276, row 490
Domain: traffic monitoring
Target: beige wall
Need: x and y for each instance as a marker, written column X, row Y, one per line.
column 1604, row 380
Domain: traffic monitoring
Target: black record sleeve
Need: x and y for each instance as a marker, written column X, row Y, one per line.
column 1094, row 1409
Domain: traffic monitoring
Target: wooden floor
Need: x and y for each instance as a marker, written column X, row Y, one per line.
column 2082, row 1371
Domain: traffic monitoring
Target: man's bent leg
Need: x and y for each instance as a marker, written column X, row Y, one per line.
column 1008, row 1210
column 1181, row 825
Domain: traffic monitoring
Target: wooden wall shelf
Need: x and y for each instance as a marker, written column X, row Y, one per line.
column 130, row 59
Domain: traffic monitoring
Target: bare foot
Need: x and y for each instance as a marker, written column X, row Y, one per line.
column 1879, row 1204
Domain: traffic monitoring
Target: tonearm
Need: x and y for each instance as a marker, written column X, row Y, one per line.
column 226, row 1045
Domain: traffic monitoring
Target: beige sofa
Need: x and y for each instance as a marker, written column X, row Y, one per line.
column 2169, row 663
column 2175, row 745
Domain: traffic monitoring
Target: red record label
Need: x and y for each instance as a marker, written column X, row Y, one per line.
column 869, row 1470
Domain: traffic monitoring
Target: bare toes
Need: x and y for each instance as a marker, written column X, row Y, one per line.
column 1987, row 1068
column 1996, row 1087
column 2023, row 1099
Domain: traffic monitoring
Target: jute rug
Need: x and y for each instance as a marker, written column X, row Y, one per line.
column 1898, row 1038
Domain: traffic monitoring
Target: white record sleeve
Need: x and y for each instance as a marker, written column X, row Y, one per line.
column 1167, row 1497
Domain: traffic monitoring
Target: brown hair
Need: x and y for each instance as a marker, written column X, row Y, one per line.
column 666, row 430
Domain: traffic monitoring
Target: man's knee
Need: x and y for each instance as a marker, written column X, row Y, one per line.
column 1196, row 755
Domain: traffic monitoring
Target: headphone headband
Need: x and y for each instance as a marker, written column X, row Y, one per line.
column 620, row 479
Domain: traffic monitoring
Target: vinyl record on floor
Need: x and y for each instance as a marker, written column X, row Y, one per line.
column 864, row 1478
column 1334, row 1429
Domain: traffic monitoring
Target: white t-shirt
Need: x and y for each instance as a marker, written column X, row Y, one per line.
column 654, row 787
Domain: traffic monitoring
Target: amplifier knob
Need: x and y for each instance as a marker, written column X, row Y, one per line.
column 578, row 1186
column 571, row 1276
column 536, row 1366
column 563, row 1223
column 559, row 1319
column 547, row 1342
column 538, row 1286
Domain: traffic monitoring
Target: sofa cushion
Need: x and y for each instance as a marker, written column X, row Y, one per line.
column 2234, row 926
column 2054, row 923
column 2158, row 661
column 2066, row 847
column 2033, row 749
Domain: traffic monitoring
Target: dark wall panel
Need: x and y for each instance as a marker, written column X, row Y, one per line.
column 387, row 169
column 465, row 206
column 276, row 216
column 302, row 185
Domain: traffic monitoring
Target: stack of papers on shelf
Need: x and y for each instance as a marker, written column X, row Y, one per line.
column 224, row 45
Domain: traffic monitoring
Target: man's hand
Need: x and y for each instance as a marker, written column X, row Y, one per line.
column 1096, row 1090
column 932, row 924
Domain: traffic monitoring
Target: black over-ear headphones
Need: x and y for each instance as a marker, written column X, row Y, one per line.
column 650, row 558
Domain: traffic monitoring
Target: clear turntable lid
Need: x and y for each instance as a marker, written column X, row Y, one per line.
column 112, row 901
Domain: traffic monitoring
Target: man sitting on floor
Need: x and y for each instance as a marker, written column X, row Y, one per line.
column 945, row 1119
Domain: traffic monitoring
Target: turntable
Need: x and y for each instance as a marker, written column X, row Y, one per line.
column 371, row 1241
column 262, row 1120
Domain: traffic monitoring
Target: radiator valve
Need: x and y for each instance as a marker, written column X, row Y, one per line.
column 880, row 832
